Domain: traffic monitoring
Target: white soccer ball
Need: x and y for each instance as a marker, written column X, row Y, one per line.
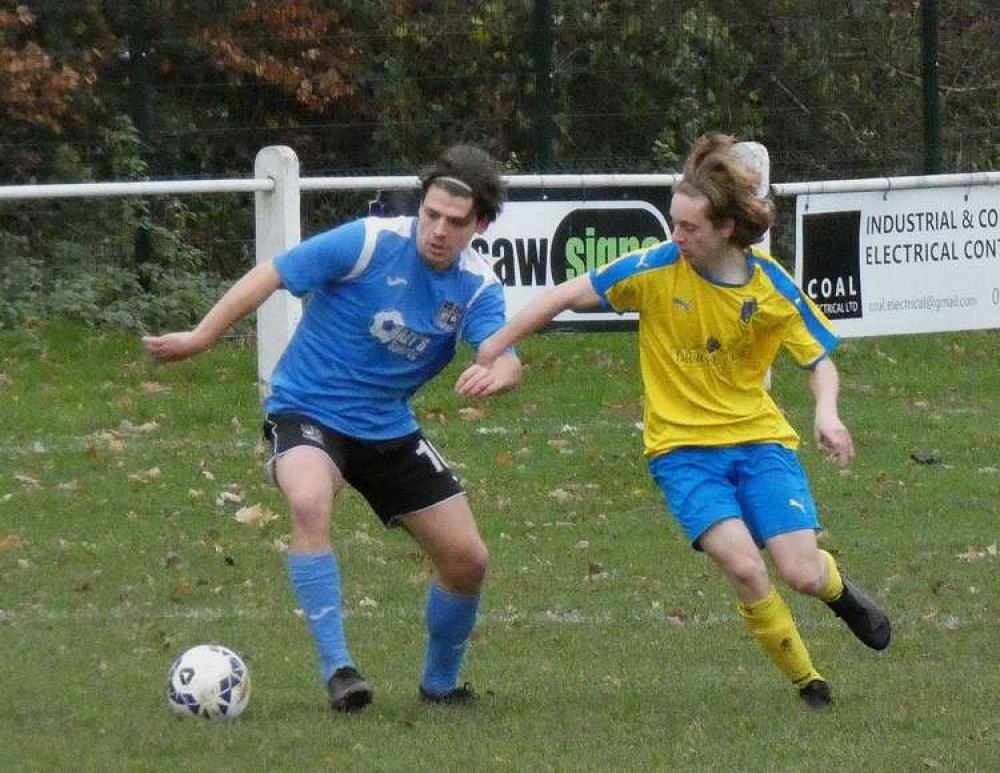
column 208, row 681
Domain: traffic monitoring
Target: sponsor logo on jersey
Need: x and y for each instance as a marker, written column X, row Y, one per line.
column 389, row 327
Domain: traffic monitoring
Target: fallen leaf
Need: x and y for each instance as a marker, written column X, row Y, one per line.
column 145, row 477
column 127, row 426
column 26, row 480
column 280, row 545
column 111, row 440
column 560, row 495
column 228, row 497
column 972, row 554
column 10, row 542
column 595, row 572
column 471, row 413
column 254, row 515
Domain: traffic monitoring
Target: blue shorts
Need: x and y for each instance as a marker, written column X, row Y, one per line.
column 763, row 484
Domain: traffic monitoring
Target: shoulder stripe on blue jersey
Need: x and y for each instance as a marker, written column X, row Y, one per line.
column 658, row 256
column 374, row 226
column 474, row 263
column 785, row 285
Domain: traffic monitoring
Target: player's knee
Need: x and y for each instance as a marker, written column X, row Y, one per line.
column 310, row 506
column 746, row 571
column 465, row 569
column 801, row 576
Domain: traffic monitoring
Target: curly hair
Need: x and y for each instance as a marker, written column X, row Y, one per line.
column 717, row 170
column 465, row 170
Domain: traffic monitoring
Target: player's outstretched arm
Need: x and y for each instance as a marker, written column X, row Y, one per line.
column 830, row 433
column 577, row 294
column 249, row 292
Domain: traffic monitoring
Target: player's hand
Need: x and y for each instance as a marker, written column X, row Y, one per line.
column 832, row 436
column 502, row 374
column 173, row 346
column 476, row 381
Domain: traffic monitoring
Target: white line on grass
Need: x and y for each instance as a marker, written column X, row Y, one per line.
column 33, row 615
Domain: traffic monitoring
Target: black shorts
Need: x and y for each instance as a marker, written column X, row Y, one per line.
column 396, row 477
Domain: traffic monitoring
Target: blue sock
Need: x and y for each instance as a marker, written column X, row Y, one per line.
column 450, row 619
column 316, row 580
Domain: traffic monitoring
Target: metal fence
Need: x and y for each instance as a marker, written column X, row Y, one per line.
column 278, row 222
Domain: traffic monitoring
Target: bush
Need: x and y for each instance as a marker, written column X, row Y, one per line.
column 149, row 298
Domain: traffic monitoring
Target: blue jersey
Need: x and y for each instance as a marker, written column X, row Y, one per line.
column 379, row 323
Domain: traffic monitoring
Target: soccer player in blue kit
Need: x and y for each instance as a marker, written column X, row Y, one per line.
column 389, row 299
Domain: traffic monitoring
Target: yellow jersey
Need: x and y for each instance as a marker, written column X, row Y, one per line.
column 705, row 347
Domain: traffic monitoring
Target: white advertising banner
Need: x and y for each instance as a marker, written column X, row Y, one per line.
column 534, row 246
column 909, row 261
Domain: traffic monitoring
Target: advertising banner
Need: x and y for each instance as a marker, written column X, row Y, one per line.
column 534, row 246
column 909, row 261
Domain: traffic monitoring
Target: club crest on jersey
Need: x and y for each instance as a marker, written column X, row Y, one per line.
column 448, row 315
column 748, row 310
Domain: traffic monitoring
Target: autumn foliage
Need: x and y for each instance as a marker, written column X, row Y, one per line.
column 35, row 89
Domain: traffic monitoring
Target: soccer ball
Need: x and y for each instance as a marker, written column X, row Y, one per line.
column 208, row 681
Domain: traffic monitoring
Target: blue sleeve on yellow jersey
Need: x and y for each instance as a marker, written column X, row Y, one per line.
column 785, row 285
column 630, row 265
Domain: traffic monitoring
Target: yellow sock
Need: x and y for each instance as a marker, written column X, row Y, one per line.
column 770, row 621
column 834, row 584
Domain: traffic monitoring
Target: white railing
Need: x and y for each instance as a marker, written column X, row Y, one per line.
column 277, row 187
column 887, row 184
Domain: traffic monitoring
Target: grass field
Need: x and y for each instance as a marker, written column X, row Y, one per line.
column 604, row 643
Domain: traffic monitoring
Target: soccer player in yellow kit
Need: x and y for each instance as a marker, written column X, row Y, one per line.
column 713, row 313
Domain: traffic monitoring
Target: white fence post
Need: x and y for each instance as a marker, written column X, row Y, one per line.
column 277, row 227
column 759, row 161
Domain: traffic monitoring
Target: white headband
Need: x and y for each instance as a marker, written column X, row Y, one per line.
column 454, row 181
